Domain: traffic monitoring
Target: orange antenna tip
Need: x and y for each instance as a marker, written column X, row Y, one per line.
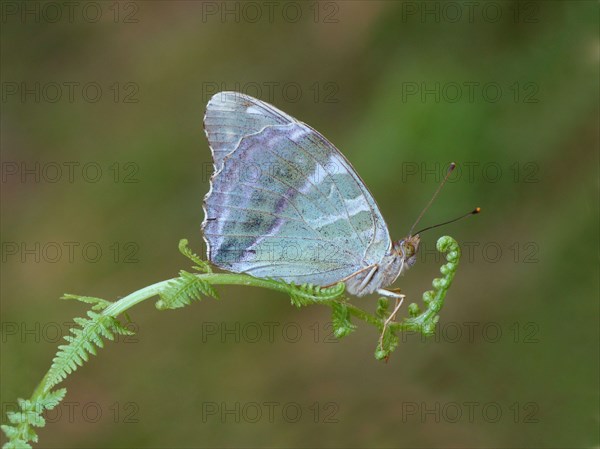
column 476, row 211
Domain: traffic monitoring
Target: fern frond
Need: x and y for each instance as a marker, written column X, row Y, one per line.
column 52, row 398
column 201, row 265
column 340, row 319
column 21, row 432
column 82, row 343
column 187, row 288
column 382, row 308
column 97, row 303
column 306, row 294
column 387, row 343
column 184, row 290
column 425, row 322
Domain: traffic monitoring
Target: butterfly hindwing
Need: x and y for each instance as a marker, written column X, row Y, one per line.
column 286, row 204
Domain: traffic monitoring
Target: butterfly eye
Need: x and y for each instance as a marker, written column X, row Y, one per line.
column 404, row 248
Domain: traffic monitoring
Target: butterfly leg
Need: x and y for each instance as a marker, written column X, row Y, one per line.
column 390, row 293
column 392, row 316
column 368, row 277
column 399, row 300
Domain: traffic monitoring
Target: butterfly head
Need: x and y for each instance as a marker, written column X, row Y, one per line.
column 407, row 249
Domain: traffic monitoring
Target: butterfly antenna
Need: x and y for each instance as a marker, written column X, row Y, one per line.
column 473, row 212
column 450, row 169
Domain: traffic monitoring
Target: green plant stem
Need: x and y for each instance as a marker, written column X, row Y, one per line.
column 362, row 315
column 136, row 297
column 127, row 302
column 123, row 304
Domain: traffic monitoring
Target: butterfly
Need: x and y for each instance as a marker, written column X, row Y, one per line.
column 284, row 203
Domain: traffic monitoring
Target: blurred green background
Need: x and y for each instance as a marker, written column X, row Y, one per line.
column 508, row 90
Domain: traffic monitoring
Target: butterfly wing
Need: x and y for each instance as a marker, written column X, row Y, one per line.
column 230, row 116
column 284, row 202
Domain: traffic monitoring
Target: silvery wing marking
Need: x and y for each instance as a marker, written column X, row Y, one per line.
column 231, row 116
column 284, row 203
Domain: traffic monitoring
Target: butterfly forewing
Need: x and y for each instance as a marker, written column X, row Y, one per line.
column 284, row 203
column 231, row 116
